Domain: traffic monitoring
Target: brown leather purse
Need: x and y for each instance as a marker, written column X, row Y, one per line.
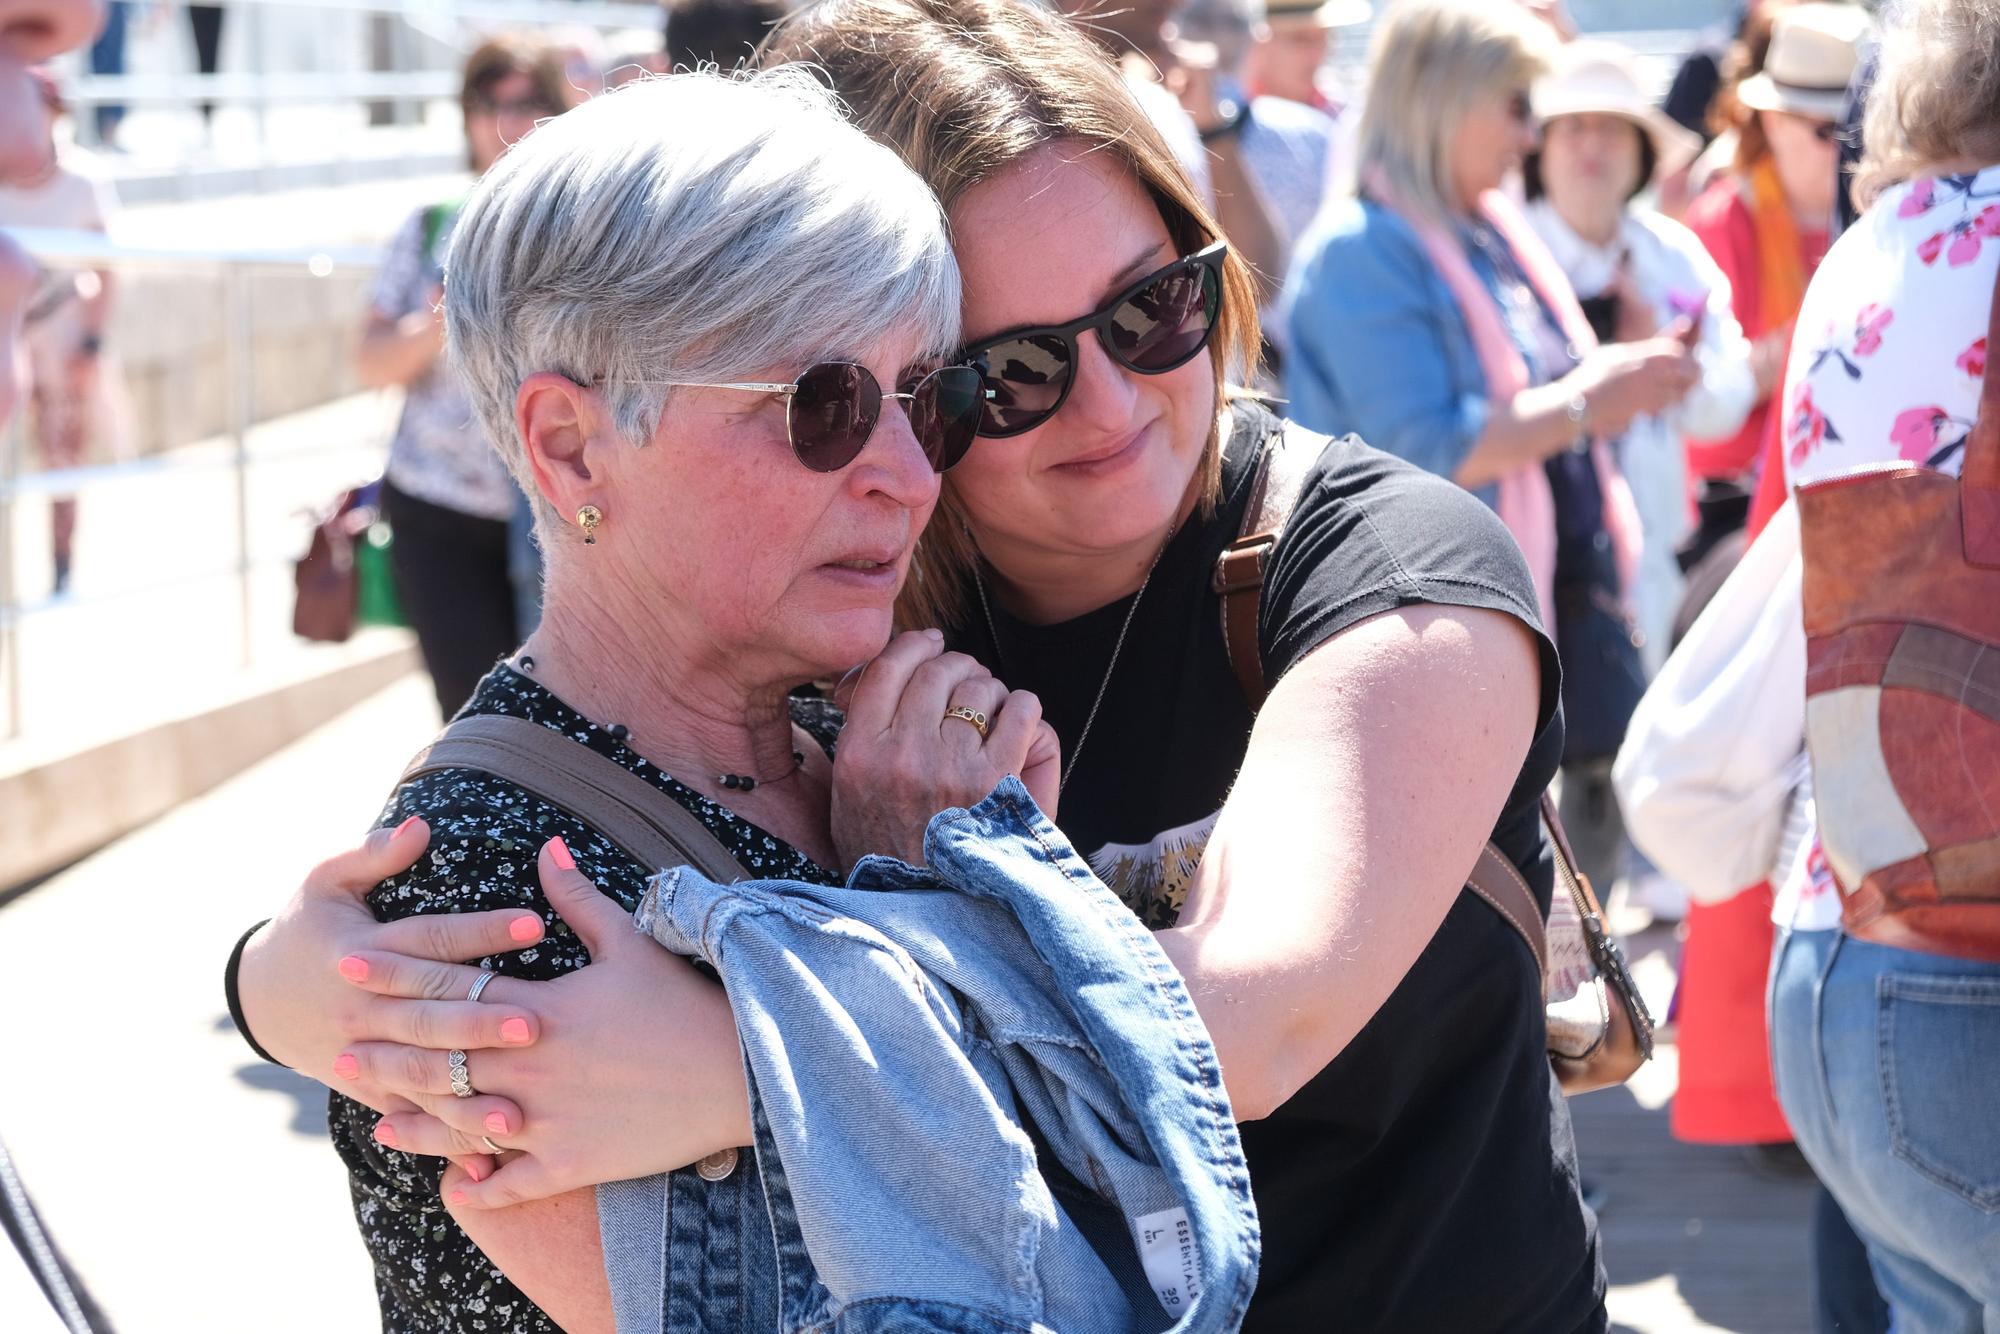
column 1902, row 622
column 1600, row 1031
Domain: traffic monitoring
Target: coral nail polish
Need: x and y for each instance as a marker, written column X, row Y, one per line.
column 559, row 854
column 472, row 1170
column 404, row 827
column 384, row 1134
column 515, row 1030
column 346, row 1066
column 496, row 1124
column 458, row 1197
column 354, row 969
column 525, row 929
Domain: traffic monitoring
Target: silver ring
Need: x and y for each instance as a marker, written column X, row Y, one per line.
column 461, row 1082
column 479, row 984
column 491, row 1147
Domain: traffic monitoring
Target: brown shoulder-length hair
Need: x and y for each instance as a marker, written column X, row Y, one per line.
column 963, row 89
column 1746, row 57
column 502, row 57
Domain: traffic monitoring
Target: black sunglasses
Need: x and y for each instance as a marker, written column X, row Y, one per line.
column 1156, row 325
column 832, row 408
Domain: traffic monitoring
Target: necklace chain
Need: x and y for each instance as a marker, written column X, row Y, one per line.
column 992, row 631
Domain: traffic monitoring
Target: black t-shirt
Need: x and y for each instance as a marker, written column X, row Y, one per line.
column 1426, row 1179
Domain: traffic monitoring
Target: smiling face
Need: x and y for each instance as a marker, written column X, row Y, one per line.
column 786, row 573
column 1049, row 239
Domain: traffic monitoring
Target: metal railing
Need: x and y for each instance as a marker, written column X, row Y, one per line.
column 236, row 271
column 413, row 61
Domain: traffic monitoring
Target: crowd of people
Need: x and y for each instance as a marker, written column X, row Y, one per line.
column 849, row 497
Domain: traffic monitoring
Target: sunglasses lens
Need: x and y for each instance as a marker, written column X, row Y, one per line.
column 1166, row 323
column 945, row 413
column 1026, row 378
column 833, row 410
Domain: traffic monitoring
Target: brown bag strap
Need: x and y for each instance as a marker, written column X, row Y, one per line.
column 1494, row 879
column 1288, row 455
column 1979, row 478
column 648, row 825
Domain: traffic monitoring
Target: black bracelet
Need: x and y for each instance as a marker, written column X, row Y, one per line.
column 231, row 994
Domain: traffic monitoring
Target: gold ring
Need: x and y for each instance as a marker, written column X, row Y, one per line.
column 966, row 715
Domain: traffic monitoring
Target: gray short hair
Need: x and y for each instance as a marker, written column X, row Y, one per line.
column 692, row 227
column 1432, row 62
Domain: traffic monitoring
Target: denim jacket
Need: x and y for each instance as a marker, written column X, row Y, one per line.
column 982, row 1099
column 1378, row 345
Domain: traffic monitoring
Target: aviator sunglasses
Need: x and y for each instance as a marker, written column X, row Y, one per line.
column 832, row 409
column 1156, row 325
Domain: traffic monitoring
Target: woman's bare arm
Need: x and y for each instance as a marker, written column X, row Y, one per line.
column 1375, row 774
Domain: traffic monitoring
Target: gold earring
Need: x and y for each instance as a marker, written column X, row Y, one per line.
column 588, row 518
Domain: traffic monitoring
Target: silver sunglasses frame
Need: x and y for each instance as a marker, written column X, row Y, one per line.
column 789, row 390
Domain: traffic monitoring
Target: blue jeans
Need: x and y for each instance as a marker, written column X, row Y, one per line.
column 982, row 1098
column 1887, row 1064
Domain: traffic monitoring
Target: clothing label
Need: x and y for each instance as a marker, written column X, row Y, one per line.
column 1166, row 1249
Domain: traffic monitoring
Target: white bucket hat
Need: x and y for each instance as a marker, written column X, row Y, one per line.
column 1599, row 78
column 1814, row 51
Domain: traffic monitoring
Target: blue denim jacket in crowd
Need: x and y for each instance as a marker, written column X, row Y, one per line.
column 1377, row 343
column 982, row 1099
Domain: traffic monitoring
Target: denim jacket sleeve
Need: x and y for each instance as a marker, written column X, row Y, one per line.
column 1377, row 345
column 900, row 1035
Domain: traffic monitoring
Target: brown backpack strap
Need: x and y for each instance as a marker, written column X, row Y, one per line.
column 651, row 827
column 1289, row 454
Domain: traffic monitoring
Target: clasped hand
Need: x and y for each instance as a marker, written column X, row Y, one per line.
column 631, row 1065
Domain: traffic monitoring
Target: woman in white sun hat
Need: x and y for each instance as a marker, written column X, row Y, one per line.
column 1638, row 274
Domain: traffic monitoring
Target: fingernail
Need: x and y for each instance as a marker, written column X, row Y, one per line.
column 525, row 929
column 515, row 1030
column 496, row 1123
column 458, row 1197
column 385, row 1135
column 404, row 827
column 473, row 1170
column 354, row 969
column 936, row 634
column 346, row 1066
column 559, row 854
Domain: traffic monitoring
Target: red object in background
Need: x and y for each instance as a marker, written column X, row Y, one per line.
column 1725, row 1094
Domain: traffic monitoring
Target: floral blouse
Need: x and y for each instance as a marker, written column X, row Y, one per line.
column 1891, row 342
column 485, row 832
column 1885, row 367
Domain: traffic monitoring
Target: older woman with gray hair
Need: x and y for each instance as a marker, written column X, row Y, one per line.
column 682, row 342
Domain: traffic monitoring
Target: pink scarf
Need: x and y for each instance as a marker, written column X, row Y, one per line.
column 1526, row 504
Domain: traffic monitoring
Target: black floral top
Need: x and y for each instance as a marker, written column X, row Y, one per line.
column 485, row 835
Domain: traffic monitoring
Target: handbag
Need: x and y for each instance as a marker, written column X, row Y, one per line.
column 1600, row 1031
column 344, row 579
column 1902, row 623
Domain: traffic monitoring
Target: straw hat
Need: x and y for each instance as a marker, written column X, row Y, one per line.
column 1319, row 13
column 1598, row 77
column 1814, row 51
